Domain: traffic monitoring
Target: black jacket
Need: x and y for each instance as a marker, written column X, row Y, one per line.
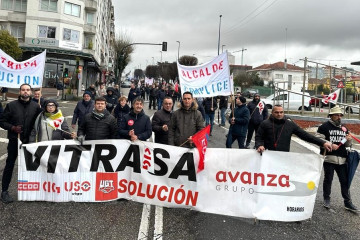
column 209, row 103
column 223, row 102
column 132, row 96
column 111, row 100
column 42, row 102
column 120, row 112
column 160, row 118
column 276, row 134
column 21, row 113
column 256, row 117
column 139, row 122
column 97, row 129
column 161, row 94
column 242, row 117
column 153, row 92
column 82, row 108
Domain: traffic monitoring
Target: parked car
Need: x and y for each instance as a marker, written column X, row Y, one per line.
column 125, row 84
column 293, row 99
column 318, row 100
column 249, row 93
column 354, row 108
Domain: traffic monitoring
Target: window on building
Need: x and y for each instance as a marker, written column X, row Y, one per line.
column 72, row 9
column 71, row 35
column 279, row 76
column 90, row 17
column 46, row 32
column 49, row 5
column 18, row 32
column 89, row 44
column 14, row 5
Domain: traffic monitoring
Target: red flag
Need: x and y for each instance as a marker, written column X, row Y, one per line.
column 176, row 88
column 200, row 140
column 332, row 97
column 261, row 106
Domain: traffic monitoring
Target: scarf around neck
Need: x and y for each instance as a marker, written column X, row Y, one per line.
column 54, row 120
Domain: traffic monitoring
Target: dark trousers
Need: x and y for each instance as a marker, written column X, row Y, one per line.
column 341, row 171
column 251, row 128
column 10, row 163
column 231, row 139
column 152, row 102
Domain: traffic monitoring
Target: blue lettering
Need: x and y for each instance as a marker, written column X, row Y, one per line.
column 207, row 90
column 18, row 79
column 36, row 80
column 226, row 85
column 219, row 86
column 2, row 76
column 213, row 85
column 8, row 77
column 27, row 79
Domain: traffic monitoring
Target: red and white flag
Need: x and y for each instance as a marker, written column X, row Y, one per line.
column 200, row 140
column 261, row 106
column 333, row 97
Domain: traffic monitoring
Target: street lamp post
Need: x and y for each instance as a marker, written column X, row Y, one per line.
column 242, row 55
column 219, row 35
column 178, row 50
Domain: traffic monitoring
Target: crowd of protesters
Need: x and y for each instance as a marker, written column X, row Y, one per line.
column 105, row 114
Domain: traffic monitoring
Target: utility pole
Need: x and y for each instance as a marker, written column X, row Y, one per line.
column 242, row 55
column 303, row 88
column 219, row 35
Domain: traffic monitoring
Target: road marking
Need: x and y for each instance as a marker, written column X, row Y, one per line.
column 158, row 231
column 145, row 221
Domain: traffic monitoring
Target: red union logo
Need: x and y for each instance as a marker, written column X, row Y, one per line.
column 131, row 122
column 28, row 186
column 105, row 187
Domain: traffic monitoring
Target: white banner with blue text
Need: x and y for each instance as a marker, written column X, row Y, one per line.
column 13, row 74
column 207, row 80
column 278, row 186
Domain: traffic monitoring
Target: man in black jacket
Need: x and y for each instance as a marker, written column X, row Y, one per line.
column 255, row 118
column 335, row 160
column 99, row 124
column 153, row 95
column 111, row 99
column 136, row 124
column 82, row 108
column 223, row 105
column 275, row 133
column 18, row 119
column 133, row 93
column 161, row 120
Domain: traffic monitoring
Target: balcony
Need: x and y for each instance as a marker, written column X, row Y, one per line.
column 16, row 17
column 89, row 29
column 91, row 5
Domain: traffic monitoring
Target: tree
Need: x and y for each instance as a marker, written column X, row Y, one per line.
column 138, row 73
column 168, row 71
column 152, row 71
column 10, row 45
column 122, row 52
column 188, row 60
column 246, row 80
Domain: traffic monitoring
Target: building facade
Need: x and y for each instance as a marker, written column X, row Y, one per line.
column 284, row 76
column 77, row 35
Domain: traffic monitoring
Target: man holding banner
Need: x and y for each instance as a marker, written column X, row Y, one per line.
column 258, row 113
column 18, row 119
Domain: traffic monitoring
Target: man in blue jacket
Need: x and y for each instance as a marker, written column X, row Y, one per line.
column 239, row 121
column 136, row 124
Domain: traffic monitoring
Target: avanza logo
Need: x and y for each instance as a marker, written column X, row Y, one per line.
column 106, row 186
column 106, row 189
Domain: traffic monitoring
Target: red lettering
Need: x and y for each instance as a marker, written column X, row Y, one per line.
column 221, row 65
column 76, row 186
column 140, row 194
column 202, row 73
column 207, row 72
column 133, row 190
column 18, row 66
column 221, row 174
column 215, row 68
column 233, row 178
column 183, row 73
column 188, row 75
column 262, row 179
column 286, row 184
column 10, row 64
column 271, row 180
column 26, row 64
column 122, row 186
column 162, row 188
column 194, row 72
column 33, row 64
column 3, row 59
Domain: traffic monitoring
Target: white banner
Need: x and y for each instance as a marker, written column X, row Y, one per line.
column 13, row 74
column 277, row 186
column 207, row 80
column 332, row 97
column 149, row 81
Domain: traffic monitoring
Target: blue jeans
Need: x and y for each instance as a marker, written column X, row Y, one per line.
column 223, row 118
column 209, row 119
column 159, row 103
column 231, row 139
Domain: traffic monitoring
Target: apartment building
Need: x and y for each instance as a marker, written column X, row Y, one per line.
column 74, row 33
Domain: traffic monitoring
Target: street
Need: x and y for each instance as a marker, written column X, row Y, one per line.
column 132, row 220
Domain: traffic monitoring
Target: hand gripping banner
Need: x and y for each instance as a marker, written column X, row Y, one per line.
column 277, row 186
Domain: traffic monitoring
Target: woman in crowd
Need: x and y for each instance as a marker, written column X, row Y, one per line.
column 50, row 125
column 121, row 110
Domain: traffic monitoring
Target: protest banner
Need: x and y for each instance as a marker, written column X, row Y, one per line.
column 207, row 80
column 277, row 186
column 13, row 74
column 332, row 97
column 149, row 81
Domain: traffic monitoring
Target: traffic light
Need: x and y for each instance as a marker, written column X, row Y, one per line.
column 61, row 69
column 66, row 72
column 164, row 46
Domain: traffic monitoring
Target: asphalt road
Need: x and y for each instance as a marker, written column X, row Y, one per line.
column 131, row 220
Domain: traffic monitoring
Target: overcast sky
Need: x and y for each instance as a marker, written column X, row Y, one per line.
column 326, row 31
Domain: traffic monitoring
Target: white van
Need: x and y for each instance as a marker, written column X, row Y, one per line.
column 293, row 99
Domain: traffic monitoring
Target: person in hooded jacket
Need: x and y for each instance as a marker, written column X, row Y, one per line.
column 121, row 110
column 99, row 124
column 185, row 122
column 111, row 99
column 50, row 124
column 136, row 124
column 255, row 118
column 210, row 105
column 83, row 107
column 239, row 120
